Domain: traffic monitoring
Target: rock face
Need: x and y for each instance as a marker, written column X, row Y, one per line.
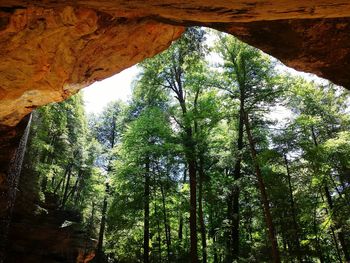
column 51, row 49
column 40, row 232
column 320, row 46
column 48, row 238
column 11, row 156
column 50, row 54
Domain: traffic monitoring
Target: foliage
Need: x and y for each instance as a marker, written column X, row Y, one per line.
column 184, row 122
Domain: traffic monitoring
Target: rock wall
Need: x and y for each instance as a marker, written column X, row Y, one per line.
column 41, row 232
column 319, row 46
column 11, row 156
column 50, row 54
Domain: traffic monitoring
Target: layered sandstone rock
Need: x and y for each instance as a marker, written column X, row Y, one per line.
column 41, row 232
column 50, row 54
column 319, row 46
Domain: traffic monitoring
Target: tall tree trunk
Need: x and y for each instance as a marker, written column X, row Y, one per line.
column 158, row 233
column 232, row 243
column 212, row 235
column 341, row 232
column 156, row 214
column 318, row 245
column 200, row 168
column 190, row 154
column 146, row 214
column 341, row 235
column 191, row 162
column 193, row 210
column 166, row 224
column 66, row 188
column 79, row 187
column 293, row 209
column 99, row 252
column 181, row 220
column 62, row 180
column 234, row 216
column 200, row 209
column 262, row 188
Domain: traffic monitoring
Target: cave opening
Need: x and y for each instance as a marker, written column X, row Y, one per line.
column 114, row 184
column 297, row 211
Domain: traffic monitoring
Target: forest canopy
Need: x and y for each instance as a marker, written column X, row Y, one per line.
column 194, row 168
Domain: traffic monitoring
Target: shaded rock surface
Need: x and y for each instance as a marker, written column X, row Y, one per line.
column 320, row 46
column 40, row 232
column 12, row 148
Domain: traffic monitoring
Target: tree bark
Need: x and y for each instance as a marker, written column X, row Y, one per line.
column 166, row 225
column 341, row 235
column 63, row 179
column 146, row 214
column 262, row 188
column 66, row 188
column 318, row 245
column 158, row 233
column 181, row 220
column 190, row 155
column 192, row 171
column 99, row 252
column 200, row 210
column 193, row 210
column 234, row 209
column 293, row 209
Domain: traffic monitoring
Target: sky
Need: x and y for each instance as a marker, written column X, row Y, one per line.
column 117, row 87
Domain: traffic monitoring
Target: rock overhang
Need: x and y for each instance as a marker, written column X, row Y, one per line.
column 51, row 49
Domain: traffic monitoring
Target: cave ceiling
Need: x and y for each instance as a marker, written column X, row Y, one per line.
column 51, row 49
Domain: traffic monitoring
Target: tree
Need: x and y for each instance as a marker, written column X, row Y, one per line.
column 321, row 118
column 196, row 157
column 107, row 129
column 172, row 71
column 251, row 79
